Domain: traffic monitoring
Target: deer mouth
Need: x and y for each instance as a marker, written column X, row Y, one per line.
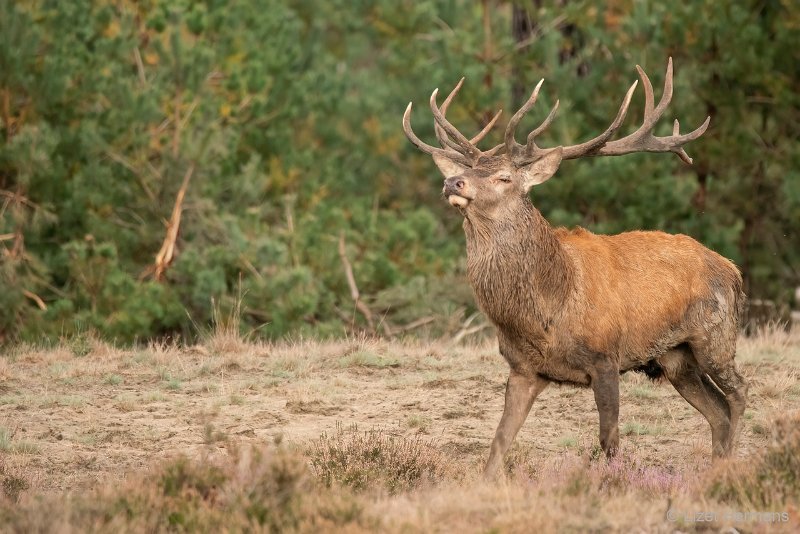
column 458, row 201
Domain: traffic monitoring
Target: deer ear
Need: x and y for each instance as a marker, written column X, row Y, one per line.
column 448, row 167
column 542, row 169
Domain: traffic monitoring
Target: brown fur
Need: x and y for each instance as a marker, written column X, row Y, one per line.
column 575, row 307
column 629, row 297
column 579, row 308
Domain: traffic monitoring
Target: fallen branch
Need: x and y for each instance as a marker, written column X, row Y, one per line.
column 351, row 281
column 35, row 298
column 416, row 324
column 18, row 198
column 466, row 330
column 166, row 254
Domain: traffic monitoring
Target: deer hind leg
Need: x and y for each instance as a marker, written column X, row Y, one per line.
column 681, row 369
column 521, row 391
column 734, row 388
column 715, row 358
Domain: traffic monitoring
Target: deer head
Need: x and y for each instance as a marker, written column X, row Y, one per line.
column 487, row 182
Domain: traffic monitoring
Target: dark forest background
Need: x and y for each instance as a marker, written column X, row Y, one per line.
column 273, row 130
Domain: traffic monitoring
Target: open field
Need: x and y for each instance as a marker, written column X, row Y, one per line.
column 88, row 416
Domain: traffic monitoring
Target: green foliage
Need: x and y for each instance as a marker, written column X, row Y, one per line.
column 286, row 121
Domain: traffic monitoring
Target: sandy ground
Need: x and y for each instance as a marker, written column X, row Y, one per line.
column 72, row 420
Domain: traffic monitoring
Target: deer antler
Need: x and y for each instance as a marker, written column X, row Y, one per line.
column 458, row 148
column 642, row 140
column 462, row 150
column 441, row 134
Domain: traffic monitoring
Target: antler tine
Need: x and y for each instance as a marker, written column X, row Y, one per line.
column 530, row 146
column 680, row 140
column 676, row 129
column 649, row 100
column 428, row 149
column 652, row 114
column 583, row 149
column 478, row 138
column 466, row 148
column 441, row 135
column 666, row 96
column 511, row 144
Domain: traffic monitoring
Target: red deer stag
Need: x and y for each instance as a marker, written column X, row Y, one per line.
column 574, row 307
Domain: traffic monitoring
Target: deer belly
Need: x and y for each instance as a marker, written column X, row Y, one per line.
column 565, row 368
column 572, row 377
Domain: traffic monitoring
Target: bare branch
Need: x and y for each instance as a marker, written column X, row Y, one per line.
column 351, row 282
column 166, row 254
column 35, row 298
column 137, row 55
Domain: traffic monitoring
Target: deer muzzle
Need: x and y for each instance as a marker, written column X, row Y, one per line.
column 456, row 191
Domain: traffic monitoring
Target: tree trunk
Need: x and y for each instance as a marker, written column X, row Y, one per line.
column 522, row 28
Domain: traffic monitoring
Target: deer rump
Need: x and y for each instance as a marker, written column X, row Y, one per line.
column 639, row 296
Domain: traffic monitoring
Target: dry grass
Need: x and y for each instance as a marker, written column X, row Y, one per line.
column 376, row 459
column 369, row 481
column 769, row 482
column 252, row 489
column 173, row 438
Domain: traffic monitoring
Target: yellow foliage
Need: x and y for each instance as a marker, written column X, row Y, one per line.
column 383, row 145
column 112, row 30
column 280, row 178
column 235, row 59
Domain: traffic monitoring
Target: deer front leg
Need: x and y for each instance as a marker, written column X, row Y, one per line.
column 521, row 391
column 605, row 383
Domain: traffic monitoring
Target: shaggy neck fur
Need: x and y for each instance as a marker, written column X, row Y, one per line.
column 520, row 273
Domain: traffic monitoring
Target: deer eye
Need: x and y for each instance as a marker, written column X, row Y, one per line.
column 504, row 179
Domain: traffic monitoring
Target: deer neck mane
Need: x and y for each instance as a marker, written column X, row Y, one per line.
column 518, row 269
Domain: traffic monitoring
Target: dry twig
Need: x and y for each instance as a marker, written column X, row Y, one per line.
column 467, row 330
column 166, row 254
column 351, row 281
column 35, row 298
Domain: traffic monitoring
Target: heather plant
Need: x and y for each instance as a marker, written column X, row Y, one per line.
column 250, row 489
column 773, row 479
column 376, row 459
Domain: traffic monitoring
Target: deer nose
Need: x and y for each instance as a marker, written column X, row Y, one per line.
column 453, row 186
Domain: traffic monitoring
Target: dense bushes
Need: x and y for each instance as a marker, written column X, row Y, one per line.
column 286, row 120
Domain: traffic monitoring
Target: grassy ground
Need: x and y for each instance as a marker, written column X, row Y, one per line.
column 371, row 435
